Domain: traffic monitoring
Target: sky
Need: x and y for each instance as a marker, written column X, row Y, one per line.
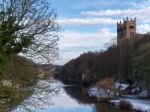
column 89, row 25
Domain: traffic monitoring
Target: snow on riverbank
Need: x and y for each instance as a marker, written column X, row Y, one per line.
column 138, row 104
column 143, row 105
column 94, row 91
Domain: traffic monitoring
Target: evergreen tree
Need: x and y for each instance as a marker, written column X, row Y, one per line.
column 141, row 66
column 27, row 26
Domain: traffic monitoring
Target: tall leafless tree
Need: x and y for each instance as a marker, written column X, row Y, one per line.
column 29, row 27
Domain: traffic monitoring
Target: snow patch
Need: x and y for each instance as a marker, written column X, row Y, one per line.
column 143, row 105
column 121, row 86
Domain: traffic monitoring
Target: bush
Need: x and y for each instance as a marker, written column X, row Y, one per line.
column 125, row 105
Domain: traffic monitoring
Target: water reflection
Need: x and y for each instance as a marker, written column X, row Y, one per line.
column 78, row 93
column 62, row 98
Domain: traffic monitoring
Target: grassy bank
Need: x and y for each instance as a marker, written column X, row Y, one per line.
column 20, row 74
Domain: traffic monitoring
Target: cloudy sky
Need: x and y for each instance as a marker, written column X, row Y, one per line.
column 87, row 25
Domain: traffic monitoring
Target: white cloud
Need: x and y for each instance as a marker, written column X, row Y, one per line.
column 115, row 12
column 105, row 3
column 72, row 44
column 135, row 4
column 86, row 21
column 141, row 13
column 71, row 39
column 143, row 28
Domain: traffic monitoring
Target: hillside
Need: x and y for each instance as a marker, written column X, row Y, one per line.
column 21, row 73
column 116, row 62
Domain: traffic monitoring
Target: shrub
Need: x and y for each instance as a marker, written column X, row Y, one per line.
column 125, row 105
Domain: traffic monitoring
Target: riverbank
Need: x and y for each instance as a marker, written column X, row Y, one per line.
column 15, row 86
column 138, row 105
column 128, row 102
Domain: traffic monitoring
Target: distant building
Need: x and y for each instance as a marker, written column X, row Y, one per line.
column 126, row 29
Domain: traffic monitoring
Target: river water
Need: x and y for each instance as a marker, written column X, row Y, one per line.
column 53, row 96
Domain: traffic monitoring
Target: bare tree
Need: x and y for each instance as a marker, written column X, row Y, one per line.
column 107, row 85
column 29, row 27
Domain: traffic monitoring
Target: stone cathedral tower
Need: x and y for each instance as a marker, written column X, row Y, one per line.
column 126, row 29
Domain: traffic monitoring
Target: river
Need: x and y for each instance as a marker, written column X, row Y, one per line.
column 53, row 96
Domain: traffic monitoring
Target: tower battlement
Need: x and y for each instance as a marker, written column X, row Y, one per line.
column 126, row 28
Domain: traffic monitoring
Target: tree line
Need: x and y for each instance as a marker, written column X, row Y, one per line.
column 128, row 61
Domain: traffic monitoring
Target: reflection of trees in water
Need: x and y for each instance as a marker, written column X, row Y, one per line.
column 101, row 107
column 105, row 108
column 44, row 91
column 40, row 99
column 79, row 95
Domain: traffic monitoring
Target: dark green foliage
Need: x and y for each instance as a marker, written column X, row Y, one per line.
column 141, row 66
column 8, row 44
column 24, row 28
column 3, row 61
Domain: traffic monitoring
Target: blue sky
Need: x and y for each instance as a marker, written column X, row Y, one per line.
column 87, row 25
